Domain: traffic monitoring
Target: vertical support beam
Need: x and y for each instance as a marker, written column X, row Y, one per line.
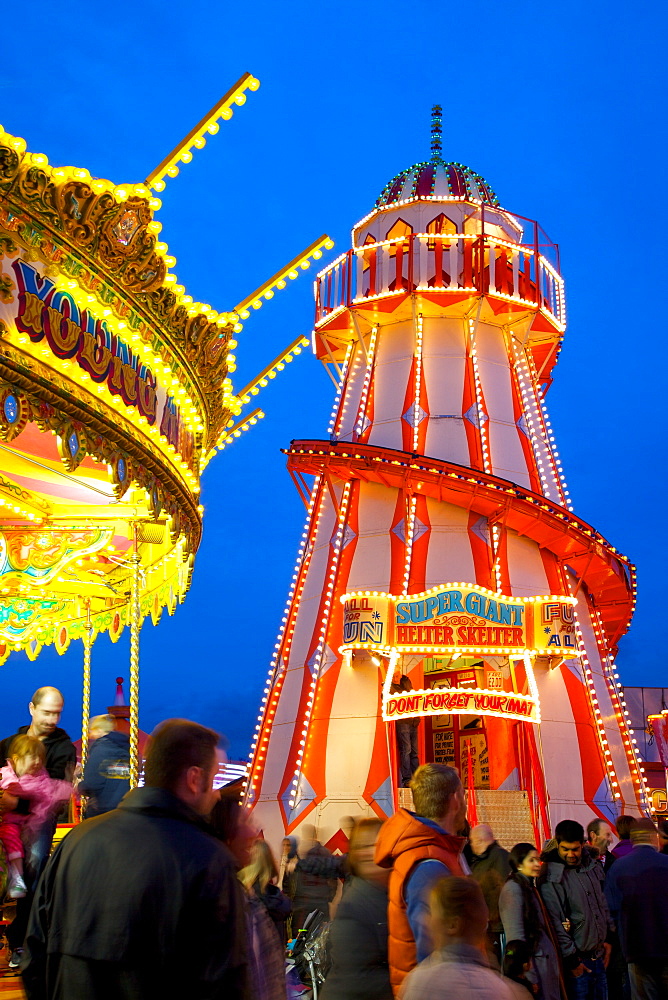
column 135, row 626
column 85, row 701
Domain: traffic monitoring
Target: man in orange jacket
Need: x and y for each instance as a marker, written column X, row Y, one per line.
column 421, row 848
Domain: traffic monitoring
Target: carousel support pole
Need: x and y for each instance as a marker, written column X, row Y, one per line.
column 85, row 708
column 135, row 625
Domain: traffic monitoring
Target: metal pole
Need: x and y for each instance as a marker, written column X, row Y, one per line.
column 85, row 705
column 135, row 625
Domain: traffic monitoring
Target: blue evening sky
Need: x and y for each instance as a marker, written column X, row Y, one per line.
column 559, row 106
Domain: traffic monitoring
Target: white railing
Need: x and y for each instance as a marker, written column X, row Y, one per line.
column 442, row 263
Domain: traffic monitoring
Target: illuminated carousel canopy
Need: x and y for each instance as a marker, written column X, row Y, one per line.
column 115, row 392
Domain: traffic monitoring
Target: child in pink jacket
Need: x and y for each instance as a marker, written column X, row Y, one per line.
column 25, row 776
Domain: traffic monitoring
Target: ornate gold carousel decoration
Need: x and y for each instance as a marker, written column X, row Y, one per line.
column 115, row 393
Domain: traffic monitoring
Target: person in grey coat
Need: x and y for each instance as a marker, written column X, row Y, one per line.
column 457, row 969
column 571, row 885
column 358, row 934
column 524, row 918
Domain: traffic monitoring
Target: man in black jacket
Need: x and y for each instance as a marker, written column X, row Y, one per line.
column 313, row 891
column 106, row 776
column 571, row 884
column 45, row 709
column 636, row 890
column 490, row 868
column 144, row 901
column 599, row 839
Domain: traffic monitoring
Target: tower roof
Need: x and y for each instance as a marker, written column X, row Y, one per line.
column 437, row 177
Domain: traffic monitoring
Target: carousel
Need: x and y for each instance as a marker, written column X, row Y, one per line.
column 115, row 393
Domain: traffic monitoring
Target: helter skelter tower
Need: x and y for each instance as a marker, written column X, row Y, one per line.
column 440, row 540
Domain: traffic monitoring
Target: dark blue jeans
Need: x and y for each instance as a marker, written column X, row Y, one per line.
column 407, row 739
column 649, row 981
column 590, row 985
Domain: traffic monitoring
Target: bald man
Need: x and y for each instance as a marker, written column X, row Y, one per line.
column 490, row 868
column 45, row 709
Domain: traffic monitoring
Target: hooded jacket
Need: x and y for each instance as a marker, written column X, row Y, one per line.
column 44, row 794
column 575, row 893
column 358, row 943
column 124, row 895
column 403, row 842
column 59, row 748
column 60, row 752
column 106, row 777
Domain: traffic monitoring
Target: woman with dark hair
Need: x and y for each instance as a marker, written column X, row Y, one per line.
column 524, row 918
column 358, row 934
column 623, row 824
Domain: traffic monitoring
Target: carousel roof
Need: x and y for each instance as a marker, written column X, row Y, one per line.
column 437, row 177
column 115, row 393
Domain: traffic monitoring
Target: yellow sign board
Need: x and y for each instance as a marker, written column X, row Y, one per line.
column 460, row 618
column 459, row 701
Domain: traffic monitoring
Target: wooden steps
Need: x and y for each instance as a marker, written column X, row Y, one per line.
column 11, row 984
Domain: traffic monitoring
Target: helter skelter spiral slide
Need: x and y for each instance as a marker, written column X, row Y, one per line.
column 440, row 540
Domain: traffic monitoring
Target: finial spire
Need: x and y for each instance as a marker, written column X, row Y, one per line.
column 436, row 128
column 120, row 697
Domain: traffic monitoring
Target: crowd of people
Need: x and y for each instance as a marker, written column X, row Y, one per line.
column 167, row 890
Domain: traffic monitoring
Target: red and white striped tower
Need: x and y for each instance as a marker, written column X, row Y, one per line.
column 440, row 476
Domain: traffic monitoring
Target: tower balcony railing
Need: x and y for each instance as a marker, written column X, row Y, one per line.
column 439, row 263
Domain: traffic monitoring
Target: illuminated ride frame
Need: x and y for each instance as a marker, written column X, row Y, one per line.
column 440, row 328
column 114, row 396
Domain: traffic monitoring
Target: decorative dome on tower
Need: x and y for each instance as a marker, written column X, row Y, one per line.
column 437, row 177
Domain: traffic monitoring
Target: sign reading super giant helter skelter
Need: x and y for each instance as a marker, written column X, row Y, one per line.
column 462, row 620
column 459, row 618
